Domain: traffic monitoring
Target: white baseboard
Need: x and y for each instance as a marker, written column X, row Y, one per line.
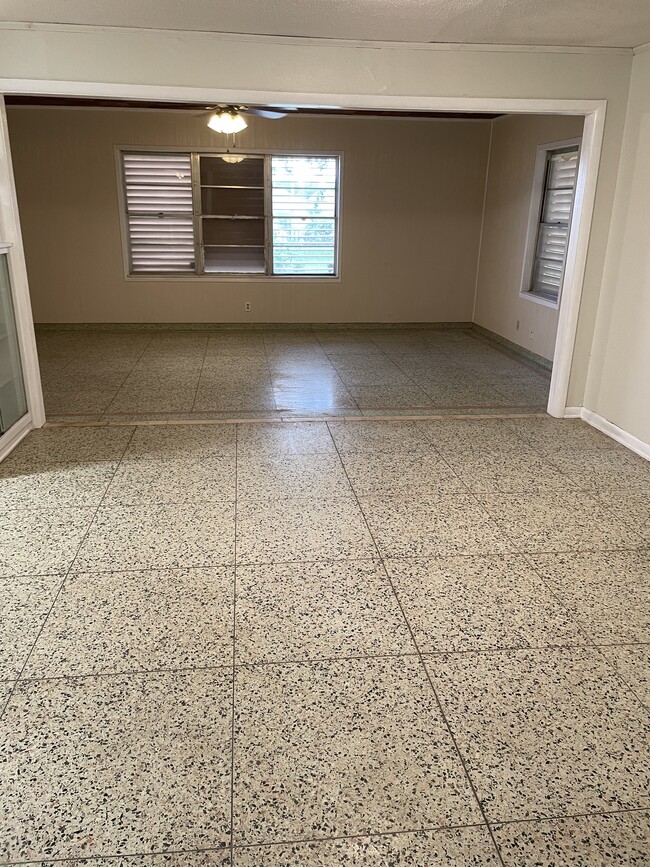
column 607, row 427
column 10, row 439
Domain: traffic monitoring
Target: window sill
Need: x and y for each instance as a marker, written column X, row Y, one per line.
column 554, row 304
column 231, row 278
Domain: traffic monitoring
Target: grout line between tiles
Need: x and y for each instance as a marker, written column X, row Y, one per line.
column 323, row 840
column 234, row 658
column 61, row 585
column 427, row 675
column 198, row 380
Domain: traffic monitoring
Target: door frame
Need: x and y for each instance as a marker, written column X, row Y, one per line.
column 593, row 111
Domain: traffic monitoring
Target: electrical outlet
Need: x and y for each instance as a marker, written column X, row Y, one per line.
column 247, row 306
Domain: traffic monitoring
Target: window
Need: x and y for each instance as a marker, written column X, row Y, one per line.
column 227, row 214
column 554, row 207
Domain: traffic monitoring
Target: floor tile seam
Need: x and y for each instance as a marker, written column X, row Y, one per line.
column 54, row 601
column 509, row 353
column 560, row 817
column 600, row 649
column 232, row 667
column 275, row 403
column 338, row 375
column 400, row 368
column 198, row 380
column 315, row 561
column 577, row 618
column 107, row 406
column 67, row 859
column 428, row 677
column 446, row 722
column 233, row 694
column 523, row 550
column 167, row 420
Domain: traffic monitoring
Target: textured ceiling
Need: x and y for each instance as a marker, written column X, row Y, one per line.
column 616, row 23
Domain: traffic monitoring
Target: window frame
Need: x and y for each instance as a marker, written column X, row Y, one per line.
column 192, row 276
column 538, row 190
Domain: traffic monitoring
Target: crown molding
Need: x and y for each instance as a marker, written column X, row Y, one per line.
column 319, row 41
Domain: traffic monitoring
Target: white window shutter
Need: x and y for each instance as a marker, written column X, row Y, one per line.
column 158, row 190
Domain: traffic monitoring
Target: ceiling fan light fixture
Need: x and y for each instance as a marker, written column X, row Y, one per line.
column 227, row 120
column 232, row 158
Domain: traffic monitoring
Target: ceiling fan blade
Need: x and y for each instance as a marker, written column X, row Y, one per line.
column 261, row 112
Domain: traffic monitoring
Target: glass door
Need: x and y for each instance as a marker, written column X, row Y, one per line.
column 13, row 402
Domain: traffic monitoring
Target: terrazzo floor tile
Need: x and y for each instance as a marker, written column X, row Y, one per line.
column 506, row 472
column 469, row 436
column 111, row 622
column 404, row 437
column 380, row 396
column 24, row 604
column 198, row 858
column 116, row 765
column 311, row 396
column 314, row 475
column 479, row 603
column 607, row 592
column 462, row 847
column 60, row 445
column 558, row 521
column 633, row 664
column 339, row 748
column 299, row 611
column 605, row 468
column 555, row 435
column 176, row 442
column 464, row 393
column 32, row 484
column 546, row 733
column 432, row 526
column 207, row 479
column 418, row 471
column 630, row 506
column 41, row 541
column 163, row 536
column 149, row 393
column 621, row 839
column 214, row 395
column 287, row 438
column 373, row 375
column 279, row 530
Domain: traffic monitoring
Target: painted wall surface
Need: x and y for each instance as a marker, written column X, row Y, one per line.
column 619, row 378
column 411, row 203
column 499, row 306
column 237, row 67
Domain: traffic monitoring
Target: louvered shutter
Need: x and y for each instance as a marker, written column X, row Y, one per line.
column 553, row 234
column 304, row 197
column 160, row 223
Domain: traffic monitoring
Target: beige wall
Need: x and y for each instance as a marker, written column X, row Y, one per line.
column 412, row 197
column 499, row 306
column 249, row 68
column 619, row 378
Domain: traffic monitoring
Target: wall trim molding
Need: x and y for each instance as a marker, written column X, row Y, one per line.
column 252, row 326
column 319, row 41
column 612, row 430
column 546, row 363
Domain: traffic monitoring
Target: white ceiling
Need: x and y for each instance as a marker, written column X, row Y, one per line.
column 616, row 23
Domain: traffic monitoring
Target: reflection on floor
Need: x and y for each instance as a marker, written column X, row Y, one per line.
column 356, row 642
column 92, row 375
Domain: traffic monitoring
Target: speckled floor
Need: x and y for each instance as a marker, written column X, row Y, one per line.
column 134, row 375
column 355, row 642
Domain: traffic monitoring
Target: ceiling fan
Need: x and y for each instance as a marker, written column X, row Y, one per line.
column 230, row 119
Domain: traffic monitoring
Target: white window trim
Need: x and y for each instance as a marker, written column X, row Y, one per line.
column 189, row 277
column 532, row 230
